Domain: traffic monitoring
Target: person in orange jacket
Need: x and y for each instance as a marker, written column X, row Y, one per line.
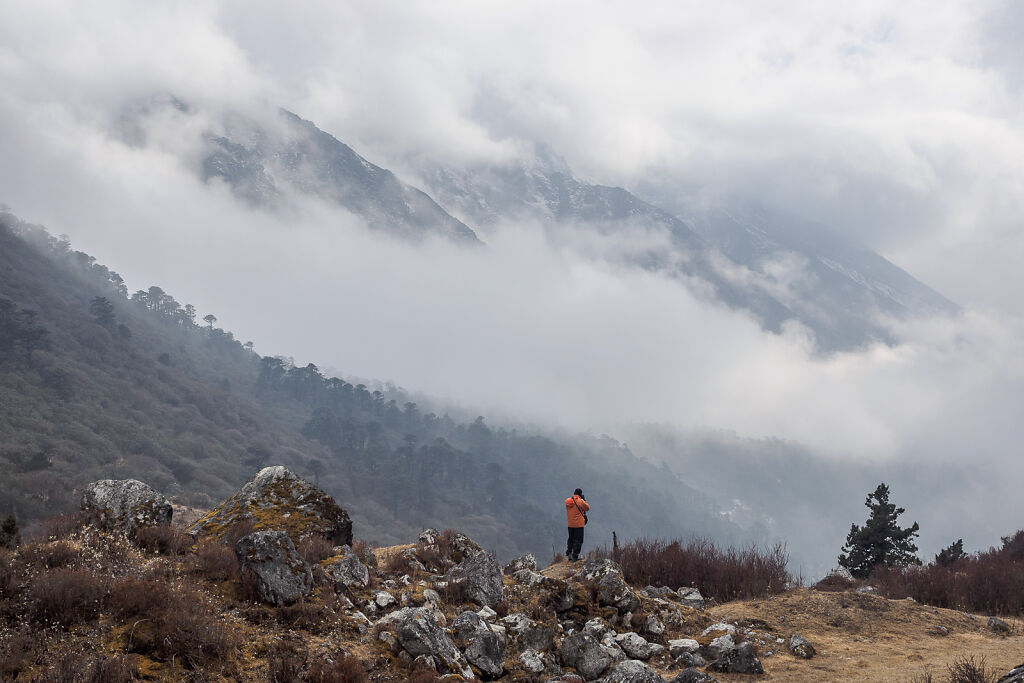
column 576, row 513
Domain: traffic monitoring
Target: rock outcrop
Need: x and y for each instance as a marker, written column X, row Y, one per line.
column 281, row 576
column 611, row 587
column 126, row 504
column 346, row 569
column 276, row 498
column 739, row 659
column 1015, row 676
column 632, row 671
column 481, row 645
column 480, row 577
column 419, row 633
column 583, row 653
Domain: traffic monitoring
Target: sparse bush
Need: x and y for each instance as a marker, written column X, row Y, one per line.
column 217, row 562
column 183, row 631
column 728, row 574
column 398, row 563
column 341, row 669
column 10, row 537
column 284, row 664
column 62, row 526
column 8, row 575
column 365, row 553
column 163, row 540
column 835, row 583
column 132, row 597
column 991, row 581
column 66, row 596
column 315, row 548
column 17, row 654
column 423, row 675
column 966, row 670
column 237, row 531
column 306, row 616
column 50, row 555
column 71, row 669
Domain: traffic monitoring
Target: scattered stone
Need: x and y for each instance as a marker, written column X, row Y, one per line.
column 538, row 637
column 691, row 597
column 526, row 562
column 481, row 577
column 1015, row 676
column 463, row 546
column 867, row 590
column 596, row 627
column 126, row 504
column 276, row 498
column 691, row 659
column 738, row 660
column 528, row 577
column 720, row 645
column 531, row 661
column 682, row 646
column 557, row 594
column 348, row 569
column 429, row 536
column 997, row 625
column 654, row 626
column 940, row 631
column 720, row 627
column 657, row 592
column 481, row 646
column 632, row 671
column 583, row 653
column 384, row 599
column 282, row 577
column 486, row 613
column 405, row 599
column 692, row 675
column 612, row 588
column 389, row 639
column 420, row 634
column 517, row 622
column 636, row 647
column 801, row 647
column 431, row 597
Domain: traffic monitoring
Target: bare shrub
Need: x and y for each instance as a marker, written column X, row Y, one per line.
column 723, row 574
column 8, row 574
column 966, row 670
column 181, row 630
column 66, row 596
column 423, row 675
column 365, row 553
column 990, row 581
column 132, row 597
column 62, row 526
column 17, row 654
column 163, row 540
column 50, row 555
column 397, row 563
column 71, row 669
column 284, row 664
column 557, row 558
column 430, row 557
column 237, row 532
column 307, row 616
column 835, row 583
column 341, row 669
column 216, row 562
column 315, row 548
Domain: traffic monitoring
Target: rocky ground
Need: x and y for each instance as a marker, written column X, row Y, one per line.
column 269, row 587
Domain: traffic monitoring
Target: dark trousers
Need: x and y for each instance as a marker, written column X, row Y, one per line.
column 575, row 543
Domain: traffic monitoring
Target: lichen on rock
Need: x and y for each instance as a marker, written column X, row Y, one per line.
column 126, row 504
column 276, row 498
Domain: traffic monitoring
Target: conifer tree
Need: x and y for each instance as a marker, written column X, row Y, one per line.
column 881, row 541
column 951, row 554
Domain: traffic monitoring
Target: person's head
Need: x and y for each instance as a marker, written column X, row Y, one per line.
column 578, row 492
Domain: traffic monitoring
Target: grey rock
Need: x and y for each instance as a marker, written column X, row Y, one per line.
column 486, row 613
column 997, row 625
column 531, row 661
column 738, row 660
column 691, row 597
column 692, row 675
column 282, row 577
column 691, row 659
column 867, row 590
column 654, row 626
column 349, row 570
column 583, row 653
column 431, row 596
column 528, row 577
column 682, row 646
column 940, row 631
column 632, row 671
column 384, row 599
column 1015, row 676
column 517, row 622
column 424, row 662
column 429, row 536
column 481, row 576
column 720, row 626
column 636, row 647
column 389, row 639
column 719, row 645
column 801, row 647
column 482, row 647
column 612, row 588
column 525, row 562
column 657, row 591
column 538, row 637
column 126, row 504
column 419, row 633
column 597, row 627
column 463, row 546
column 612, row 648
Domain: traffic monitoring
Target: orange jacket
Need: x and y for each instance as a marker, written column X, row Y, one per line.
column 573, row 513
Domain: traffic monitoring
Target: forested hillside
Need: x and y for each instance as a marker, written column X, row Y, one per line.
column 96, row 383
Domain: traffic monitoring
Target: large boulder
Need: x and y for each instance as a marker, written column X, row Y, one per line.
column 738, row 660
column 482, row 646
column 632, row 671
column 281, row 575
column 126, row 504
column 419, row 633
column 480, row 576
column 801, row 647
column 346, row 569
column 523, row 563
column 691, row 597
column 692, row 675
column 583, row 653
column 612, row 589
column 277, row 498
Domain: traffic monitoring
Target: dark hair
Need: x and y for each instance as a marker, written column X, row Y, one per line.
column 578, row 492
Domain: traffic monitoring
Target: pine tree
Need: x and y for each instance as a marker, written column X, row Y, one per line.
column 951, row 554
column 881, row 541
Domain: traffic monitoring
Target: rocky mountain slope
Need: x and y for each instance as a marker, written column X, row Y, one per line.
column 118, row 594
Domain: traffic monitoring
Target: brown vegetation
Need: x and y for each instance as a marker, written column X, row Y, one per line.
column 722, row 574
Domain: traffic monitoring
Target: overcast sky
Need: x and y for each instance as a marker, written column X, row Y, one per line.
column 900, row 124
